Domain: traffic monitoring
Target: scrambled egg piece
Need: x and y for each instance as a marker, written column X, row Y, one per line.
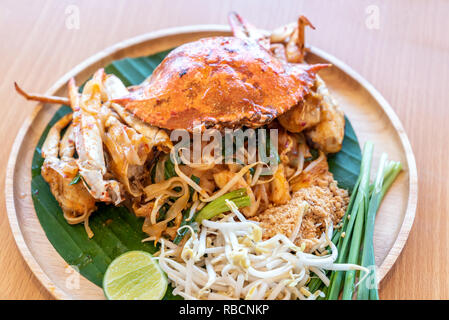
column 280, row 193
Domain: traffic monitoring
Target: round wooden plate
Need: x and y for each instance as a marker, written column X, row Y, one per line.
column 371, row 116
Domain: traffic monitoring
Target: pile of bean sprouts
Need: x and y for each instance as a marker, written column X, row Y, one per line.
column 229, row 260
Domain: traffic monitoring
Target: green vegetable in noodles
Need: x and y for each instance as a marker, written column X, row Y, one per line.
column 214, row 208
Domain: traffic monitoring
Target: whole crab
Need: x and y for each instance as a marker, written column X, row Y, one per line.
column 219, row 82
column 246, row 80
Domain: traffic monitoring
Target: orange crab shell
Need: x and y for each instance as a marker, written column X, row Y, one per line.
column 219, row 82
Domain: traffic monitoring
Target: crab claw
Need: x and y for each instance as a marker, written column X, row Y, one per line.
column 242, row 29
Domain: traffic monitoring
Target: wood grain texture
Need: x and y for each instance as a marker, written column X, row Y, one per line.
column 406, row 59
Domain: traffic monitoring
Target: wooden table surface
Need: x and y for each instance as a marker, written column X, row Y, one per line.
column 401, row 47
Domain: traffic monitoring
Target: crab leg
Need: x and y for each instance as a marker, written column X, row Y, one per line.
column 114, row 89
column 159, row 138
column 130, row 142
column 50, row 149
column 243, row 29
column 87, row 134
column 278, row 50
column 67, row 144
column 282, row 33
column 296, row 45
column 88, row 131
column 51, row 145
column 293, row 34
column 76, row 202
column 41, row 98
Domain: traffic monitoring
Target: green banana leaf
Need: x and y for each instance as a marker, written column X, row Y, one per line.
column 116, row 229
column 345, row 164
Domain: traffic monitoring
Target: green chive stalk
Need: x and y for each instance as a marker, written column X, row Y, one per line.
column 345, row 253
column 358, row 228
column 354, row 251
column 214, row 208
column 217, row 206
column 363, row 292
column 389, row 179
column 356, row 239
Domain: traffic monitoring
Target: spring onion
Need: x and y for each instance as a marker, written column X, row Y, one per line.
column 346, row 244
column 368, row 248
column 76, row 179
column 387, row 173
column 217, row 206
column 169, row 169
column 354, row 239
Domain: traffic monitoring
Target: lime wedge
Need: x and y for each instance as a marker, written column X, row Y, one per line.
column 135, row 275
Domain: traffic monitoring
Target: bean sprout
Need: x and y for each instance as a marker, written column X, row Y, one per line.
column 229, row 260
